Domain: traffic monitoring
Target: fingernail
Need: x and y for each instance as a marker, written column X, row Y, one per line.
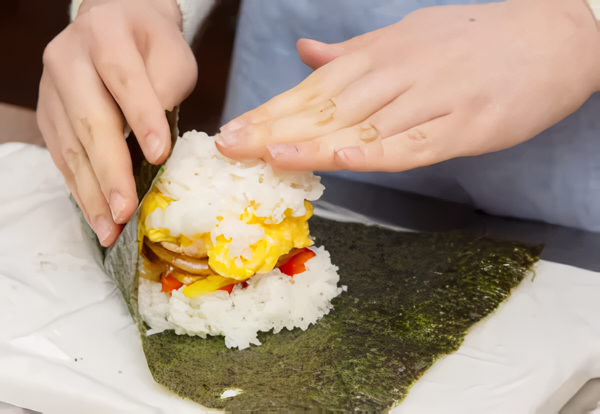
column 117, row 205
column 234, row 125
column 154, row 147
column 101, row 228
column 282, row 150
column 350, row 154
column 231, row 139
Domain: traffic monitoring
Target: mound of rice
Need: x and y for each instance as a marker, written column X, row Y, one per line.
column 270, row 301
column 253, row 216
column 206, row 185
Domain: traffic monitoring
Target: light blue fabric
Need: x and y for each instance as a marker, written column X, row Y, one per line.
column 554, row 177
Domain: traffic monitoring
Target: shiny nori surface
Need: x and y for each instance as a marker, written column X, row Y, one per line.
column 411, row 299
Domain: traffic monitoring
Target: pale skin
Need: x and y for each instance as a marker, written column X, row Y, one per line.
column 444, row 82
column 118, row 60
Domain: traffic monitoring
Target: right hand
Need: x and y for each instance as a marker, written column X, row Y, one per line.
column 444, row 82
column 120, row 60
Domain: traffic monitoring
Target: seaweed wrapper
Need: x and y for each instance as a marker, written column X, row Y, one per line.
column 411, row 299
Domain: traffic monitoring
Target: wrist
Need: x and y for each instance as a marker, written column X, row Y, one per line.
column 573, row 9
column 570, row 24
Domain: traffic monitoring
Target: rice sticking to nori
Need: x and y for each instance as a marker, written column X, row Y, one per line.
column 225, row 247
column 411, row 299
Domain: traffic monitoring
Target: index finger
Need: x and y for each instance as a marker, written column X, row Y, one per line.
column 309, row 104
column 97, row 123
column 123, row 72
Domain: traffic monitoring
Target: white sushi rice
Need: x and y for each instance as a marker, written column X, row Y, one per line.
column 271, row 301
column 205, row 185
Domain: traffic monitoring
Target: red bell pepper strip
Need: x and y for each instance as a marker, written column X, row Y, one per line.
column 284, row 259
column 291, row 267
column 229, row 288
column 296, row 265
column 169, row 283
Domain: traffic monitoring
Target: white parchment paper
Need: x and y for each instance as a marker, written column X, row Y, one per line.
column 68, row 344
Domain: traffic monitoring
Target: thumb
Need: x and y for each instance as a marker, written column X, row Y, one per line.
column 316, row 54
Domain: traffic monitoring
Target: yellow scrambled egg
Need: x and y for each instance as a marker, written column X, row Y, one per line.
column 279, row 239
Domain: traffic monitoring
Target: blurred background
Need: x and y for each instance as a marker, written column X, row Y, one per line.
column 26, row 27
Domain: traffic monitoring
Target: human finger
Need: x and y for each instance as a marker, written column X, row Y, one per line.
column 170, row 65
column 97, row 123
column 358, row 101
column 315, row 54
column 246, row 136
column 122, row 71
column 422, row 145
column 71, row 159
column 407, row 110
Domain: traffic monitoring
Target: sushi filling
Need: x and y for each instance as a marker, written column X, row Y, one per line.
column 225, row 247
column 174, row 270
column 264, row 302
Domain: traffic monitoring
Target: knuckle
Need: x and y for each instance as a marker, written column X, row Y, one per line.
column 324, row 113
column 368, row 131
column 423, row 151
column 417, row 134
column 173, row 89
column 190, row 77
column 86, row 129
column 189, row 66
column 263, row 113
column 63, row 168
column 120, row 80
column 52, row 52
column 73, row 157
column 108, row 62
column 96, row 20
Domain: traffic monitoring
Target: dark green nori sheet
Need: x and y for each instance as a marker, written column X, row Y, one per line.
column 411, row 299
column 144, row 172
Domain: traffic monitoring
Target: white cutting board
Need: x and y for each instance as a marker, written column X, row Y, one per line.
column 68, row 344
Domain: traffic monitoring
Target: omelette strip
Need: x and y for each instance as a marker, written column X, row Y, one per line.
column 213, row 266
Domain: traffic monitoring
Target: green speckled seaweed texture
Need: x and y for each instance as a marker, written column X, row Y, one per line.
column 411, row 299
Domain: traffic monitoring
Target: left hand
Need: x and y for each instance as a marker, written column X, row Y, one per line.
column 444, row 82
column 120, row 60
